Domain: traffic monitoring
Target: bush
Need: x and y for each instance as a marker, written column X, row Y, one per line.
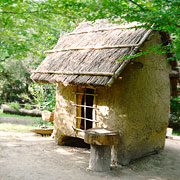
column 14, row 105
column 27, row 106
column 175, row 113
column 14, row 82
column 44, row 96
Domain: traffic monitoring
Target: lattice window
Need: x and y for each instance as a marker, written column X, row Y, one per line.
column 85, row 99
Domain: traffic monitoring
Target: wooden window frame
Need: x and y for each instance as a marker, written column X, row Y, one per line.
column 79, row 93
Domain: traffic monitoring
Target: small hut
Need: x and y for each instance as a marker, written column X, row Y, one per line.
column 97, row 86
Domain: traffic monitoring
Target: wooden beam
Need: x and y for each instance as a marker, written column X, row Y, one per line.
column 86, row 119
column 83, row 106
column 76, row 73
column 86, row 94
column 91, row 48
column 77, row 129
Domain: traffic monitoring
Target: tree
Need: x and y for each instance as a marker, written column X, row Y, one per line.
column 25, row 24
column 162, row 15
column 28, row 27
column 26, row 30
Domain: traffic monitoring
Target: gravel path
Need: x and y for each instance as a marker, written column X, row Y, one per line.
column 26, row 156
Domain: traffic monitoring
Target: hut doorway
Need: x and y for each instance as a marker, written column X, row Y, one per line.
column 87, row 109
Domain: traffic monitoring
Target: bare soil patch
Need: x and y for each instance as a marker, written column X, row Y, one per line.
column 28, row 156
column 16, row 120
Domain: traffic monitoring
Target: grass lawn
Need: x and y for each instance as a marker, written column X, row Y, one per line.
column 19, row 127
column 19, row 116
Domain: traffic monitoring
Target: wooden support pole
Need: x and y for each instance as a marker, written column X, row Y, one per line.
column 76, row 101
column 95, row 109
column 84, row 112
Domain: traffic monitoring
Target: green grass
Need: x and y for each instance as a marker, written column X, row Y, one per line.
column 18, row 116
column 19, row 127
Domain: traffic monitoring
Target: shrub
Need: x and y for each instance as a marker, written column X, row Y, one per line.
column 175, row 112
column 27, row 106
column 44, row 96
column 14, row 105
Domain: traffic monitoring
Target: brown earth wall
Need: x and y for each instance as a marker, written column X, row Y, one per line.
column 64, row 113
column 138, row 106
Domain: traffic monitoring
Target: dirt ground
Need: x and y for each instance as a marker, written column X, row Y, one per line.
column 26, row 156
column 16, row 120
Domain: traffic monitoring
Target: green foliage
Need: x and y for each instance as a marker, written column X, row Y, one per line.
column 175, row 105
column 44, row 96
column 14, row 105
column 160, row 15
column 38, row 119
column 14, row 81
column 160, row 49
column 28, row 28
column 46, row 123
column 176, row 132
column 175, row 111
column 27, row 106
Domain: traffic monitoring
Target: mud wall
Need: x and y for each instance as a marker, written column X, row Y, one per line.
column 64, row 113
column 137, row 106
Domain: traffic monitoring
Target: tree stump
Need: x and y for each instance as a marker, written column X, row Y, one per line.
column 101, row 141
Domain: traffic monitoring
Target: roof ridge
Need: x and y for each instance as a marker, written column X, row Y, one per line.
column 104, row 29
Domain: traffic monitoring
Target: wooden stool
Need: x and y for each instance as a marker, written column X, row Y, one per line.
column 101, row 141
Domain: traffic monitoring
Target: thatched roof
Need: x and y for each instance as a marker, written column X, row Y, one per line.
column 88, row 55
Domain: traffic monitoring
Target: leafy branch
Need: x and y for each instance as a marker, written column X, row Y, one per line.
column 138, row 5
column 30, row 12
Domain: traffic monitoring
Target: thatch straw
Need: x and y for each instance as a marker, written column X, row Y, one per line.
column 102, row 61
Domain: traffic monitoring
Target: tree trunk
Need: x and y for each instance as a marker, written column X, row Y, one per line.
column 8, row 109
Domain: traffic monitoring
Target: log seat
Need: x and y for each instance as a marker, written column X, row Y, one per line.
column 101, row 141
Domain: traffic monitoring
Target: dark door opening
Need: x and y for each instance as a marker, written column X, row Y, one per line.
column 87, row 109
